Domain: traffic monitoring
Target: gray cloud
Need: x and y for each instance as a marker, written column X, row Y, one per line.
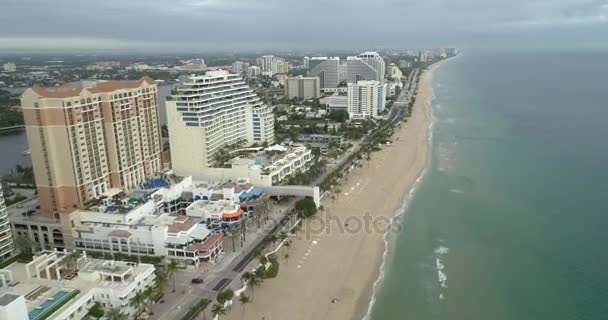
column 182, row 25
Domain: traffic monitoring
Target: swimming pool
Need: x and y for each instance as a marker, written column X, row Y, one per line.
column 56, row 299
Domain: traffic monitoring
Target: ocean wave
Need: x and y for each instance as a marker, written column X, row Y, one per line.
column 401, row 211
column 441, row 250
column 438, row 264
column 456, row 191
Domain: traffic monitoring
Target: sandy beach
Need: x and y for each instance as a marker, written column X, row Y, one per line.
column 334, row 261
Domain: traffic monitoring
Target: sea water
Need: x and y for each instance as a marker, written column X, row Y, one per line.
column 511, row 218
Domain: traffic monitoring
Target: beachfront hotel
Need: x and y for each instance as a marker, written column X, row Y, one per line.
column 327, row 69
column 169, row 216
column 90, row 136
column 6, row 237
column 366, row 99
column 206, row 113
column 366, row 66
column 60, row 286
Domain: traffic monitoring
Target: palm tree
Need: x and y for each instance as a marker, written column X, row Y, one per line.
column 259, row 273
column 115, row 314
column 218, row 310
column 24, row 244
column 283, row 236
column 261, row 257
column 244, row 300
column 232, row 235
column 243, row 229
column 72, row 259
column 286, row 256
column 253, row 282
column 171, row 270
column 138, row 301
column 150, row 295
column 160, row 282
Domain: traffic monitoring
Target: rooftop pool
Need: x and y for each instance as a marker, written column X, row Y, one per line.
column 42, row 309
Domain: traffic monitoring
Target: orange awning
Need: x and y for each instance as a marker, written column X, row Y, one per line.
column 236, row 214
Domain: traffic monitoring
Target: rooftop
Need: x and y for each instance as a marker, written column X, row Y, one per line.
column 74, row 89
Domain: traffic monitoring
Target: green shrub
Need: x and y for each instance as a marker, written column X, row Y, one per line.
column 96, row 311
column 224, row 296
column 196, row 310
column 7, row 262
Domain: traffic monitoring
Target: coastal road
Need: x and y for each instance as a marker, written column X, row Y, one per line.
column 226, row 273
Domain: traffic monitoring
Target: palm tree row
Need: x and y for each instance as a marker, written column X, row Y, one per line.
column 144, row 299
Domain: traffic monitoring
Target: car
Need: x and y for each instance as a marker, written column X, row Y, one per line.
column 197, row 280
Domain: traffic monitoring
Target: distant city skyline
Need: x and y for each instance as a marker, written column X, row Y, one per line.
column 224, row 25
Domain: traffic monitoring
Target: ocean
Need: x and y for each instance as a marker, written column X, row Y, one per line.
column 510, row 220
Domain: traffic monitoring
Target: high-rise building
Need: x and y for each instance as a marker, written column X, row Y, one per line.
column 394, row 71
column 303, row 87
column 327, row 69
column 6, row 237
column 208, row 112
column 306, row 60
column 279, row 65
column 10, row 67
column 237, row 67
column 253, row 72
column 366, row 99
column 366, row 66
column 266, row 64
column 87, row 137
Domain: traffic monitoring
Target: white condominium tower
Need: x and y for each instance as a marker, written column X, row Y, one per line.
column 366, row 99
column 208, row 112
column 366, row 66
column 327, row 69
column 6, row 237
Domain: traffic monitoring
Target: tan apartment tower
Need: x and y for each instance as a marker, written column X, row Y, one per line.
column 87, row 137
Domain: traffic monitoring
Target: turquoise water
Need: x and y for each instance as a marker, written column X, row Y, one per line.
column 513, row 209
column 57, row 298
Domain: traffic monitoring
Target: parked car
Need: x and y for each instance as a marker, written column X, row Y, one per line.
column 197, row 280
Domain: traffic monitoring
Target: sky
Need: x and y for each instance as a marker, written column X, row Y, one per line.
column 225, row 25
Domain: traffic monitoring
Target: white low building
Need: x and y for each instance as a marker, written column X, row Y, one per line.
column 52, row 279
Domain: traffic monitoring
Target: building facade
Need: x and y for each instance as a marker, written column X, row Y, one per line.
column 206, row 113
column 110, row 284
column 279, row 65
column 366, row 99
column 394, row 71
column 237, row 67
column 303, row 88
column 10, row 67
column 366, row 66
column 327, row 69
column 6, row 237
column 253, row 72
column 90, row 136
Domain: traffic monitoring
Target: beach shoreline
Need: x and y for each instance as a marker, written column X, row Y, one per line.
column 389, row 239
column 336, row 272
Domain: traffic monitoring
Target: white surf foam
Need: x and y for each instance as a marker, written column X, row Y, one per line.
column 438, row 264
column 401, row 211
column 456, row 191
column 441, row 250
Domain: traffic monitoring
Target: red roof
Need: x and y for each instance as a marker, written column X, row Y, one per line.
column 206, row 245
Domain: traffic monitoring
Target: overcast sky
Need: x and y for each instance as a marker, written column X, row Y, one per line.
column 216, row 25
